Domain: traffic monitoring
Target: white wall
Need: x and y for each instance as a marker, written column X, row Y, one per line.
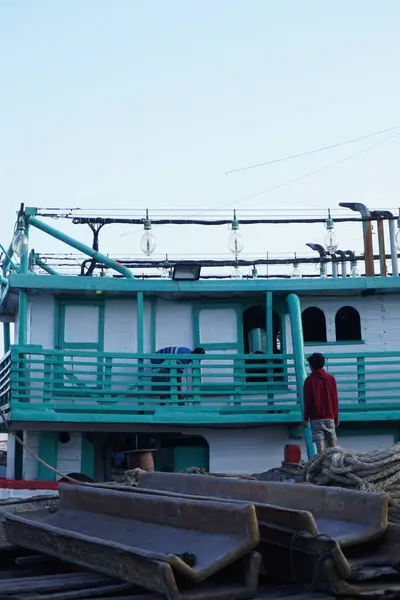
column 380, row 321
column 41, row 320
column 68, row 455
column 255, row 450
column 174, row 324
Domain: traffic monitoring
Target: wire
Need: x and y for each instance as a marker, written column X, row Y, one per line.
column 315, row 151
column 305, row 175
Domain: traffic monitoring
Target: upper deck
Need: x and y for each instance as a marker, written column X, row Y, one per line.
column 85, row 346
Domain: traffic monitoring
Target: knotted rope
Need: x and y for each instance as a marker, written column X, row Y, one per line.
column 376, row 471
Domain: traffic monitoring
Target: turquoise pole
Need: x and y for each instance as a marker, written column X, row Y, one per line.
column 63, row 237
column 139, row 309
column 23, row 299
column 7, row 262
column 298, row 352
column 6, row 337
column 40, row 263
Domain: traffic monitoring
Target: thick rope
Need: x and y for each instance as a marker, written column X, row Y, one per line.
column 376, row 471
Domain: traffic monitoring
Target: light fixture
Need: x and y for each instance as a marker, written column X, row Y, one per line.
column 166, row 269
column 331, row 243
column 254, row 272
column 236, row 273
column 295, row 274
column 148, row 241
column 20, row 242
column 235, row 240
column 354, row 271
column 186, row 271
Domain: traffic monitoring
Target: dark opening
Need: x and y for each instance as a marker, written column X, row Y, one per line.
column 259, row 370
column 255, row 318
column 314, row 324
column 348, row 325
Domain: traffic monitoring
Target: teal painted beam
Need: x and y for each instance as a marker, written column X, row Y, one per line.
column 269, row 319
column 6, row 337
column 139, row 309
column 23, row 298
column 87, row 457
column 108, row 284
column 30, row 413
column 7, row 262
column 48, row 446
column 298, row 352
column 70, row 241
column 40, row 263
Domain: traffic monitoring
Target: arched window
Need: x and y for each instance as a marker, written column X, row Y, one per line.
column 348, row 325
column 314, row 325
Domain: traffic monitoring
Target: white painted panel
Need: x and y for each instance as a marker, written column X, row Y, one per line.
column 245, row 451
column 218, row 325
column 174, row 324
column 255, row 450
column 365, row 443
column 41, row 318
column 81, row 323
column 29, row 463
column 69, row 455
column 120, row 327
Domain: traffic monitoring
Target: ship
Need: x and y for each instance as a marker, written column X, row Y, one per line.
column 85, row 392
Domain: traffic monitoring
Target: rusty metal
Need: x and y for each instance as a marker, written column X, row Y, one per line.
column 348, row 516
column 381, row 242
column 367, row 234
column 147, row 539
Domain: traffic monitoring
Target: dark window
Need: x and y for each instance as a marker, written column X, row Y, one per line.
column 314, row 325
column 348, row 325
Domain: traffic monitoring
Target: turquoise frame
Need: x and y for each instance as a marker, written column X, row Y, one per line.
column 238, row 308
column 59, row 325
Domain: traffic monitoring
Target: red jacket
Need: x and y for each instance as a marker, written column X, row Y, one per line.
column 320, row 396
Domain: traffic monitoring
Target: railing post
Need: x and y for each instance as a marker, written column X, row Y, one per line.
column 269, row 334
column 298, row 352
column 48, row 378
column 361, row 380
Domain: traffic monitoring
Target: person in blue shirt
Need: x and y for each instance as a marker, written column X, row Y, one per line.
column 163, row 375
column 173, row 350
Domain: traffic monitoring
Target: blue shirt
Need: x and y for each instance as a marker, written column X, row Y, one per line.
column 170, row 350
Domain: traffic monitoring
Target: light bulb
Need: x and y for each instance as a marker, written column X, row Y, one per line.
column 236, row 242
column 236, row 274
column 148, row 242
column 331, row 243
column 295, row 274
column 20, row 243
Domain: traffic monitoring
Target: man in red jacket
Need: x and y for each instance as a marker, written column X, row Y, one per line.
column 321, row 405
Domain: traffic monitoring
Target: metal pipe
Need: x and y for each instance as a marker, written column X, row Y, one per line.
column 334, row 266
column 323, row 255
column 23, row 298
column 343, row 262
column 352, row 256
column 386, row 214
column 63, row 237
column 367, row 235
column 40, row 263
column 298, row 354
column 381, row 242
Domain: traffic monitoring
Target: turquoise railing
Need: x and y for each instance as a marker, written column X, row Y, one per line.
column 38, row 384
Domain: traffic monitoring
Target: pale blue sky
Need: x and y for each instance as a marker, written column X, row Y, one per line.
column 133, row 103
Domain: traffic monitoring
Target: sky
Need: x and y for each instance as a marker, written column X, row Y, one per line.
column 147, row 104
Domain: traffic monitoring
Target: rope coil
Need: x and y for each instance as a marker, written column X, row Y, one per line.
column 377, row 471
